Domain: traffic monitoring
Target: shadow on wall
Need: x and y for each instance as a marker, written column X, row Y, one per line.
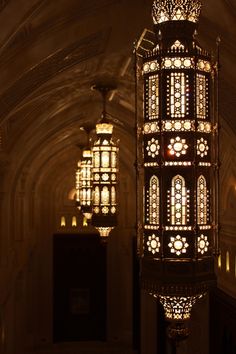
column 232, row 199
column 229, row 203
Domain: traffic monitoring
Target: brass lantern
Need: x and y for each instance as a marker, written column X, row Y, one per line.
column 78, row 185
column 86, row 183
column 180, row 164
column 105, row 173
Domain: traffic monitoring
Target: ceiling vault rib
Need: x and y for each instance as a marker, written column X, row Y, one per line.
column 88, row 47
column 21, row 27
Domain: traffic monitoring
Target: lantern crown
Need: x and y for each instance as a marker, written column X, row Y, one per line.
column 176, row 10
column 104, row 128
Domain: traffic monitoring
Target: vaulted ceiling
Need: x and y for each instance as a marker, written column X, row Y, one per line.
column 51, row 52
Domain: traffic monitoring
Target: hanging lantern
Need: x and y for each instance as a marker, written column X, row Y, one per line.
column 180, row 164
column 105, row 171
column 86, row 184
column 78, row 185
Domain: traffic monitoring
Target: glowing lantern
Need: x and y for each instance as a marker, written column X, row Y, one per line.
column 105, row 174
column 180, row 164
column 78, row 184
column 86, row 184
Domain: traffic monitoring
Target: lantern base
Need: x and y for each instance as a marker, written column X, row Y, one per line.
column 104, row 232
column 178, row 332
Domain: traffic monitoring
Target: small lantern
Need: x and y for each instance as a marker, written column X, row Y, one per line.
column 86, row 184
column 78, row 185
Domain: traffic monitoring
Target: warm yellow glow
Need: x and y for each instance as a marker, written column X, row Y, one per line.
column 74, row 221
column 113, row 195
column 219, row 261
column 153, row 244
column 105, row 159
column 88, row 216
column 202, row 244
column 85, row 222
column 153, row 207
column 177, row 45
column 153, row 94
column 150, row 66
column 153, row 148
column 78, row 184
column 177, row 91
column 178, row 245
column 178, row 125
column 85, row 180
column 177, row 201
column 165, row 10
column 114, row 158
column 178, row 146
column 105, row 196
column 96, row 196
column 202, row 200
column 105, row 169
column 178, row 63
column 178, row 307
column 227, row 262
column 201, row 99
column 104, row 231
column 87, row 153
column 63, row 221
column 104, row 128
column 204, row 65
column 150, row 128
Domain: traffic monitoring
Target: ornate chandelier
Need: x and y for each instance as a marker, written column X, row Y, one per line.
column 180, row 159
column 105, row 173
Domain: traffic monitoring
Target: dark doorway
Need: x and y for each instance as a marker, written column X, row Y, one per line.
column 79, row 297
column 222, row 323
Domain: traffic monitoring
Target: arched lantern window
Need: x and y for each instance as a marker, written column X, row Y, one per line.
column 178, row 201
column 154, row 200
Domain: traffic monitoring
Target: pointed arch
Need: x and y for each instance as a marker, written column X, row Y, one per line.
column 201, row 200
column 178, row 201
column 105, row 196
column 154, row 200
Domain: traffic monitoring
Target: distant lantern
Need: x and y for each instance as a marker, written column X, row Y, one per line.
column 105, row 174
column 86, row 184
column 78, row 184
column 180, row 164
